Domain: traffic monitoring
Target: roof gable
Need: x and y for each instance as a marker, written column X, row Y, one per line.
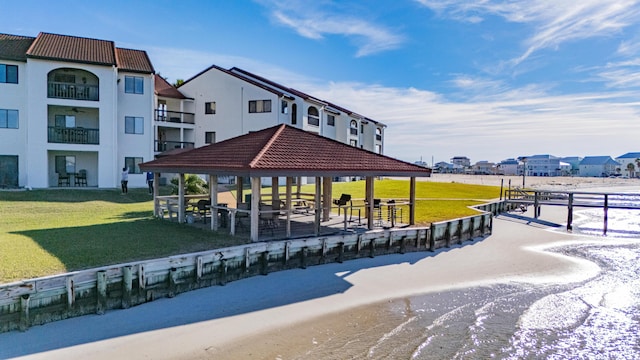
column 133, row 60
column 284, row 150
column 14, row 47
column 598, row 160
column 163, row 88
column 630, row 155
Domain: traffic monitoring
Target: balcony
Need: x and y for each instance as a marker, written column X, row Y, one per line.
column 62, row 90
column 161, row 146
column 64, row 135
column 174, row 116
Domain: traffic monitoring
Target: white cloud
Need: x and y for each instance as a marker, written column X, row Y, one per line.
column 555, row 22
column 315, row 22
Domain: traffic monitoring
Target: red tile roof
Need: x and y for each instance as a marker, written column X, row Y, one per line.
column 14, row 47
column 163, row 88
column 283, row 151
column 133, row 60
column 72, row 48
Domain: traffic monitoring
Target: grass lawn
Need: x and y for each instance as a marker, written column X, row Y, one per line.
column 45, row 232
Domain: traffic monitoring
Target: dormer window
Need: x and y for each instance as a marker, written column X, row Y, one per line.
column 353, row 127
column 313, row 117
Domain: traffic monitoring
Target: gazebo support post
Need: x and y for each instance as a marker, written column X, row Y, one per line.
column 412, row 201
column 369, row 200
column 213, row 192
column 288, row 205
column 181, row 207
column 326, row 198
column 318, row 206
column 275, row 193
column 156, row 185
column 239, row 187
column 255, row 207
column 298, row 184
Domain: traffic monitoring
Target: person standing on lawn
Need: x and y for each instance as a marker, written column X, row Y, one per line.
column 124, row 180
column 150, row 181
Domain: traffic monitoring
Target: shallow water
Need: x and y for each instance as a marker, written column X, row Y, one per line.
column 594, row 319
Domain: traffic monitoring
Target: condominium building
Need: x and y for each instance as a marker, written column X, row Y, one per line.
column 71, row 106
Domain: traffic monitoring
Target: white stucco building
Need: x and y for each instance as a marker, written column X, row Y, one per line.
column 231, row 102
column 69, row 104
column 629, row 164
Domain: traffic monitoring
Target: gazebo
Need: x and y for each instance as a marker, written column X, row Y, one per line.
column 283, row 151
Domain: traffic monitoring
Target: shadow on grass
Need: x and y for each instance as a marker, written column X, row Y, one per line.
column 98, row 245
column 71, row 195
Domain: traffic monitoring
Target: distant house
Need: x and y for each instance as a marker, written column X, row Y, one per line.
column 574, row 162
column 508, row 167
column 629, row 164
column 598, row 166
column 463, row 161
column 542, row 165
column 484, row 167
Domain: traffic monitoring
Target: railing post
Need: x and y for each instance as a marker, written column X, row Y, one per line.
column 606, row 212
column 570, row 212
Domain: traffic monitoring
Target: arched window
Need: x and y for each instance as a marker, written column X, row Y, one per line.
column 353, row 127
column 378, row 134
column 313, row 117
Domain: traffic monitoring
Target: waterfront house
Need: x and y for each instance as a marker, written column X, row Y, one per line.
column 598, row 166
column 543, row 165
column 629, row 164
column 508, row 167
column 71, row 106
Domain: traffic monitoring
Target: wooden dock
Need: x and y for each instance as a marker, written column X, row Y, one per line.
column 574, row 199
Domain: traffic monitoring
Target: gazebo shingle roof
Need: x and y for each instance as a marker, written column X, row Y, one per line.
column 283, row 151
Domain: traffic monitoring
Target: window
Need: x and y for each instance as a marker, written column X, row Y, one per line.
column 65, row 121
column 209, row 137
column 378, row 149
column 8, row 74
column 284, row 107
column 294, row 114
column 313, row 117
column 210, row 107
column 133, row 125
column 353, row 142
column 259, row 106
column 8, row 119
column 133, row 164
column 65, row 164
column 331, row 120
column 378, row 134
column 353, row 127
column 134, row 85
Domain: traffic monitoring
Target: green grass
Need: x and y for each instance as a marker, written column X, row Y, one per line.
column 45, row 232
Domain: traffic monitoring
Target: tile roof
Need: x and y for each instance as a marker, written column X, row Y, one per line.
column 283, row 151
column 133, row 60
column 72, row 48
column 14, row 47
column 163, row 88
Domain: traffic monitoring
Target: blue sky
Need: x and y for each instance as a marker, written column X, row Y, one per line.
column 486, row 79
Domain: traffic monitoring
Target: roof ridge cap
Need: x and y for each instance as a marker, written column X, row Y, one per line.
column 267, row 145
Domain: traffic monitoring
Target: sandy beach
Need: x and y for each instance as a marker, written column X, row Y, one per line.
column 280, row 315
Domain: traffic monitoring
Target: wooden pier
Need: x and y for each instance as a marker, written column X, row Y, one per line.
column 574, row 199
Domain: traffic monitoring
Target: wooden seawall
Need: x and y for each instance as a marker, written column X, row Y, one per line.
column 42, row 300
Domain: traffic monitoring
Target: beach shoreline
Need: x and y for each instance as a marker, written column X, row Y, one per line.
column 282, row 314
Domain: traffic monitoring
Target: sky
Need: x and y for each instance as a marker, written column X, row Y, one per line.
column 486, row 79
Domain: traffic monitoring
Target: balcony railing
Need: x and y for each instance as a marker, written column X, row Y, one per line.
column 60, row 90
column 175, row 116
column 170, row 145
column 62, row 135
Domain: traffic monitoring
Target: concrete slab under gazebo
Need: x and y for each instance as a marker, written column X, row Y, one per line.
column 283, row 151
